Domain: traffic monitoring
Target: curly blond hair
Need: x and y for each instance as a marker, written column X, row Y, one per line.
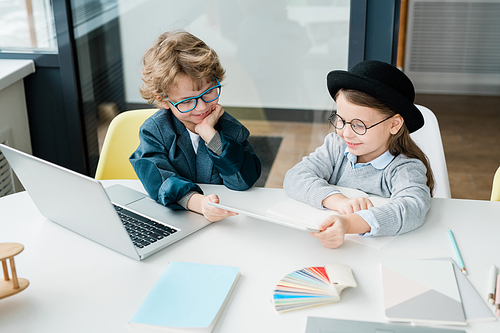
column 177, row 53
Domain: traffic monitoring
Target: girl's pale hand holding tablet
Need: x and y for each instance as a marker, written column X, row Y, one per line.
column 332, row 231
column 334, row 228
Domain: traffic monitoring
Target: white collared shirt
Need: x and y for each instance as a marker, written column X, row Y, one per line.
column 195, row 140
column 379, row 163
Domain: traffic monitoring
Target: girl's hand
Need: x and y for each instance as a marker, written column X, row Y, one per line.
column 212, row 213
column 351, row 205
column 345, row 205
column 206, row 128
column 332, row 231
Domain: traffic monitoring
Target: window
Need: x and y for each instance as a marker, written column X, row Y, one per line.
column 27, row 26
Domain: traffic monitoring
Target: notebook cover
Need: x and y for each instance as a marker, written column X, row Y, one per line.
column 187, row 295
column 421, row 291
column 475, row 308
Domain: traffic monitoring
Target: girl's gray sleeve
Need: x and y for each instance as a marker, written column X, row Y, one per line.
column 308, row 181
column 410, row 199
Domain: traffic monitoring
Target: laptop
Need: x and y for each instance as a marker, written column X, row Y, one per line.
column 117, row 217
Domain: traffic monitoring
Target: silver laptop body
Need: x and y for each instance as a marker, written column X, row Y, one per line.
column 81, row 204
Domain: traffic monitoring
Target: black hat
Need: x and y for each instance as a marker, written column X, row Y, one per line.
column 384, row 82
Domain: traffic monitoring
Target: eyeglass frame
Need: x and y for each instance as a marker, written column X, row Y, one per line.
column 335, row 114
column 218, row 85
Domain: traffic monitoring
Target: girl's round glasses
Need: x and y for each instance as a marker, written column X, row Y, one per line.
column 189, row 104
column 358, row 126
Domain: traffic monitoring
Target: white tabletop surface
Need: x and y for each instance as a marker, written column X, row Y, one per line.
column 77, row 285
column 14, row 70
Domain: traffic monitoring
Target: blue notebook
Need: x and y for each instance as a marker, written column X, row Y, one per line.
column 187, row 296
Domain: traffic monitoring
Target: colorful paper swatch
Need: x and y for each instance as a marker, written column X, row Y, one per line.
column 312, row 286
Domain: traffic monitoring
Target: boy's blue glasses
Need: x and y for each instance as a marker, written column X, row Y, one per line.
column 358, row 126
column 189, row 104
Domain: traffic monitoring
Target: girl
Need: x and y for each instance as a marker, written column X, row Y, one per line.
column 371, row 150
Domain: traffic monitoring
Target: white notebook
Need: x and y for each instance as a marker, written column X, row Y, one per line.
column 421, row 292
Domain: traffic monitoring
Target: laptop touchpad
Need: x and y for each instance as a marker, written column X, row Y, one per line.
column 150, row 208
column 123, row 195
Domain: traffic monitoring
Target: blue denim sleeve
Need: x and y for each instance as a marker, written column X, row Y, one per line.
column 238, row 165
column 167, row 192
column 160, row 178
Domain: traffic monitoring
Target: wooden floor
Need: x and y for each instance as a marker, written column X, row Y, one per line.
column 470, row 130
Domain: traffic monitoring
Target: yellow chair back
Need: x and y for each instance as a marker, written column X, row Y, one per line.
column 495, row 191
column 122, row 138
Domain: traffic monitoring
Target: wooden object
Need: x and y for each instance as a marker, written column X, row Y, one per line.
column 403, row 18
column 31, row 23
column 8, row 286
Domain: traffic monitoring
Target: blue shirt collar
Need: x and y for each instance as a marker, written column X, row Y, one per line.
column 379, row 163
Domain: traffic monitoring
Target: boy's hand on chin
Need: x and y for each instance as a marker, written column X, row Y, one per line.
column 206, row 128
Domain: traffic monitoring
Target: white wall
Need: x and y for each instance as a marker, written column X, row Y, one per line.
column 276, row 53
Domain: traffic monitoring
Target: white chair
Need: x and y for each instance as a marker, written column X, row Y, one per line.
column 429, row 140
column 495, row 191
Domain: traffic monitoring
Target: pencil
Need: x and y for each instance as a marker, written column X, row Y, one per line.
column 457, row 252
column 492, row 282
column 497, row 297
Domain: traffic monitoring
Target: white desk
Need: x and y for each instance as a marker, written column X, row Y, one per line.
column 77, row 285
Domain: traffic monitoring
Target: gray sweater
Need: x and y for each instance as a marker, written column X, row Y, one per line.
column 403, row 180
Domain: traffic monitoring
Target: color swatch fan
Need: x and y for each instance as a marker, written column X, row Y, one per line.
column 312, row 286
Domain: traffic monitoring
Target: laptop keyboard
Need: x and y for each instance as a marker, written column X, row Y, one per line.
column 142, row 230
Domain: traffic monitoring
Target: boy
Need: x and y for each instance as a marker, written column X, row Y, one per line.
column 190, row 139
